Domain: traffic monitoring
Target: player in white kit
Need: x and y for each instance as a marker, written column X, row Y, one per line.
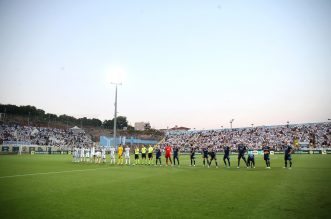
column 103, row 154
column 112, row 155
column 81, row 154
column 92, row 154
column 98, row 155
column 74, row 155
column 127, row 155
column 77, row 154
column 87, row 154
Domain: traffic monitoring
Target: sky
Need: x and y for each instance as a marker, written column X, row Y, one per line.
column 192, row 63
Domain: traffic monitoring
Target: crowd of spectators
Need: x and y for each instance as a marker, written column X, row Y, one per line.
column 317, row 135
column 44, row 136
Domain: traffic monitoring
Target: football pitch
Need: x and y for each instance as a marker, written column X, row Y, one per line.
column 52, row 186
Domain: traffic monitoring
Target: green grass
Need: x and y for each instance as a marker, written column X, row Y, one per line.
column 106, row 191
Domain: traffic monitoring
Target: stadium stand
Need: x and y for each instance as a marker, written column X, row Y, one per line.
column 316, row 135
column 43, row 136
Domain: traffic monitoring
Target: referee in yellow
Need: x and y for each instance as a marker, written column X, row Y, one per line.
column 150, row 154
column 136, row 155
column 143, row 154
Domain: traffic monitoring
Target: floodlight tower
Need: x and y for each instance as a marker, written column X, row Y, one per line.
column 231, row 121
column 29, row 119
column 115, row 113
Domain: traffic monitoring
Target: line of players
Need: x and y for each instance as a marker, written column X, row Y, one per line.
column 208, row 154
column 82, row 154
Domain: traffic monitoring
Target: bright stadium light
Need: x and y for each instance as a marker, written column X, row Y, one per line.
column 116, row 74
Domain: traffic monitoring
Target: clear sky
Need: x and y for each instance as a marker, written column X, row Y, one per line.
column 193, row 63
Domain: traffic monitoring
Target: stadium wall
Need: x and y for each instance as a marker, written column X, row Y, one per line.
column 30, row 149
column 14, row 147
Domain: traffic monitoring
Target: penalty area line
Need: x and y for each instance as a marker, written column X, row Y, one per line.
column 53, row 172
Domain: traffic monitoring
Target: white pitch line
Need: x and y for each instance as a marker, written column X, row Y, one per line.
column 55, row 172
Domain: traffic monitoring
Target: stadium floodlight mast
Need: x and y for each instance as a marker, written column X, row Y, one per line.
column 115, row 113
column 29, row 119
column 231, row 121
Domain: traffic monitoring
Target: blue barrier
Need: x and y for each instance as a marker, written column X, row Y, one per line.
column 108, row 141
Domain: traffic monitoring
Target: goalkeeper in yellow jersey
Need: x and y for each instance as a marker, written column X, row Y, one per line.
column 120, row 154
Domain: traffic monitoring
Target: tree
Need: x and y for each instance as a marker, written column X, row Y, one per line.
column 65, row 118
column 147, row 126
column 39, row 116
column 108, row 124
column 51, row 116
column 121, row 122
column 96, row 122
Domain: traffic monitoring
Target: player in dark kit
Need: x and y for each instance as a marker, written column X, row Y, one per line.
column 266, row 154
column 205, row 156
column 175, row 155
column 241, row 153
column 192, row 155
column 226, row 156
column 158, row 155
column 212, row 153
column 288, row 153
